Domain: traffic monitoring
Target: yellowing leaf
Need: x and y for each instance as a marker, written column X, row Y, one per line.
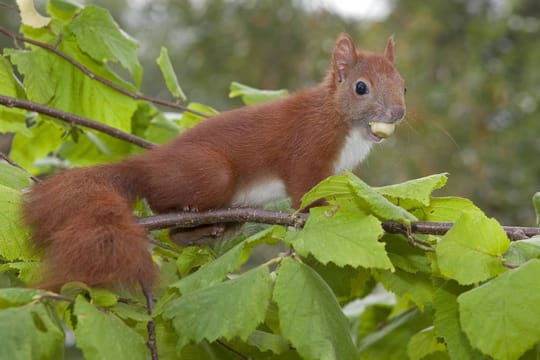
column 30, row 16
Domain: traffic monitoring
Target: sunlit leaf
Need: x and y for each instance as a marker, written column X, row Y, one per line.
column 501, row 317
column 252, row 96
column 169, row 75
column 342, row 237
column 472, row 250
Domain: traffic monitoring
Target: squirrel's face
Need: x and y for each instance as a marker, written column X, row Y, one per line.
column 369, row 91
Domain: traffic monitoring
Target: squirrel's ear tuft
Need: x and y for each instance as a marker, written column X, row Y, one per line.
column 389, row 50
column 344, row 57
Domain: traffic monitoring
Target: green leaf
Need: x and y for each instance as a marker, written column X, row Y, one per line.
column 417, row 288
column 13, row 234
column 25, row 150
column 135, row 312
column 189, row 120
column 115, row 109
column 265, row 341
column 404, row 256
column 424, row 343
column 62, row 9
column 347, row 283
column 446, row 322
column 536, row 204
column 342, row 237
column 216, row 271
column 472, row 250
column 13, row 177
column 192, row 257
column 414, row 193
column 391, row 336
column 102, row 335
column 522, row 251
column 213, row 272
column 501, row 317
column 27, row 271
column 348, row 186
column 309, row 314
column 11, row 119
column 225, row 310
column 446, row 209
column 252, row 96
column 16, row 296
column 99, row 36
column 103, row 297
column 31, row 331
column 169, row 75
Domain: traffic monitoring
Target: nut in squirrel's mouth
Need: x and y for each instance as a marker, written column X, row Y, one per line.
column 380, row 130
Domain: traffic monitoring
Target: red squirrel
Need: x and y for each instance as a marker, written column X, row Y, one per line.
column 82, row 219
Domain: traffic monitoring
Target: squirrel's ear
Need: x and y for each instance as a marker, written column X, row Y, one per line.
column 389, row 50
column 344, row 56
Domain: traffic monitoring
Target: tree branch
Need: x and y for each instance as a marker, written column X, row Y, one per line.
column 13, row 163
column 74, row 119
column 192, row 219
column 90, row 74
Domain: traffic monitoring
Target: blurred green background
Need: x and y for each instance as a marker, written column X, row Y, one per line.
column 472, row 69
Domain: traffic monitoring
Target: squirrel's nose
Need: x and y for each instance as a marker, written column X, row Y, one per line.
column 396, row 113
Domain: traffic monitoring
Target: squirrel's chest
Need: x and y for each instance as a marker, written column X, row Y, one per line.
column 353, row 152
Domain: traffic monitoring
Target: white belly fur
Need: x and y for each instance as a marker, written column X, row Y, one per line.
column 260, row 194
column 355, row 150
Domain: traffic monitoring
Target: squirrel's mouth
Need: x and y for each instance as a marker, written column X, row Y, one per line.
column 378, row 130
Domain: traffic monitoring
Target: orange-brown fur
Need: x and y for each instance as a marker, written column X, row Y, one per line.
column 82, row 218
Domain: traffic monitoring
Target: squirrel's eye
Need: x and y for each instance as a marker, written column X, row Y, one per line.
column 361, row 88
column 405, row 91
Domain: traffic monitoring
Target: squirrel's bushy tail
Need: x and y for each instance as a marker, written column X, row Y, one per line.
column 83, row 222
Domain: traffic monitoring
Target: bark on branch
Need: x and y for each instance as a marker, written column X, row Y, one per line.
column 192, row 219
column 74, row 119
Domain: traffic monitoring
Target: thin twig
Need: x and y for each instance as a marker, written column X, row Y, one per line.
column 193, row 219
column 57, row 297
column 233, row 350
column 13, row 163
column 151, row 326
column 164, row 246
column 97, row 77
column 74, row 119
column 8, row 6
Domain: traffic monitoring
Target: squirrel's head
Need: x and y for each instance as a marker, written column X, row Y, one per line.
column 369, row 91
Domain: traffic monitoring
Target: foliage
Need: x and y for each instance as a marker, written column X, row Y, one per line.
column 467, row 294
